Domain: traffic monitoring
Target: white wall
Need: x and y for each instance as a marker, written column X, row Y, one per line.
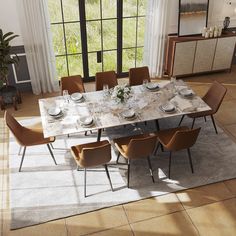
column 9, row 19
column 218, row 10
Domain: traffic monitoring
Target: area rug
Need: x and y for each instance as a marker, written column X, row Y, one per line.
column 44, row 191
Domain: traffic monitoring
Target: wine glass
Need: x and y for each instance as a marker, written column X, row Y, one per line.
column 145, row 82
column 105, row 89
column 65, row 95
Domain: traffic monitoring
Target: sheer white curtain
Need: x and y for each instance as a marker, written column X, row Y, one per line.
column 36, row 33
column 156, row 31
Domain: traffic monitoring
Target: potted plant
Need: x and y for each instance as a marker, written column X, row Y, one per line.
column 8, row 94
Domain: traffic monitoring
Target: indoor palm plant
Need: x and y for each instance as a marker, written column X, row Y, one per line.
column 8, row 94
column 5, row 59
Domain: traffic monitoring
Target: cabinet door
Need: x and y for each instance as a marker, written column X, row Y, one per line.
column 183, row 58
column 224, row 53
column 204, row 56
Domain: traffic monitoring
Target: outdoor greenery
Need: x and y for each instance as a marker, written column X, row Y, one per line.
column 101, row 29
column 5, row 59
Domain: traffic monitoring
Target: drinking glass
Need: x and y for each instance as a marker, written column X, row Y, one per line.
column 145, row 82
column 105, row 89
column 65, row 95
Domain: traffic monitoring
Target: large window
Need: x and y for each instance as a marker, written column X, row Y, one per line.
column 97, row 35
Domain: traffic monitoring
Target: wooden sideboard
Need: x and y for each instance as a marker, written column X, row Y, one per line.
column 196, row 54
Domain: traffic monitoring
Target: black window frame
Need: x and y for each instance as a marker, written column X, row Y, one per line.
column 83, row 37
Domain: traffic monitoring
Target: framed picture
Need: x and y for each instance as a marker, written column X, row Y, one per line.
column 193, row 15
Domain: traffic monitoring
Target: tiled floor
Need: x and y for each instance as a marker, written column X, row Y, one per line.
column 206, row 210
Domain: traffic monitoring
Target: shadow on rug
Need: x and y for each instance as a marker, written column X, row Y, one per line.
column 44, row 192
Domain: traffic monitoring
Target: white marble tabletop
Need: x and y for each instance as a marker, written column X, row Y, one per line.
column 107, row 113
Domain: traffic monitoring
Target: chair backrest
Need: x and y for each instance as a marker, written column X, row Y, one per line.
column 73, row 84
column 215, row 96
column 183, row 139
column 138, row 75
column 98, row 153
column 107, row 77
column 15, row 127
column 141, row 147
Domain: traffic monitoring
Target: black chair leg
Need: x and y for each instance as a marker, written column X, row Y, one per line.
column 213, row 121
column 205, row 118
column 108, row 176
column 22, row 158
column 170, row 163
column 51, row 154
column 190, row 160
column 156, row 149
column 85, row 172
column 181, row 120
column 128, row 173
column 193, row 123
column 150, row 168
column 157, row 125
column 118, row 157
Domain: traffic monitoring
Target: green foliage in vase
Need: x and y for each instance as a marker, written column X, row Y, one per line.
column 5, row 59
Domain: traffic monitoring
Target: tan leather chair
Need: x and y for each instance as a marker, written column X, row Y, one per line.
column 177, row 139
column 106, row 77
column 138, row 75
column 136, row 147
column 213, row 98
column 27, row 136
column 91, row 155
column 73, row 84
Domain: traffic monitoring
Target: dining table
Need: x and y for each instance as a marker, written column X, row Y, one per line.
column 98, row 110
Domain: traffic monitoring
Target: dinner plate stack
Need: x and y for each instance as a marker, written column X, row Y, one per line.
column 128, row 114
column 86, row 121
column 168, row 108
column 152, row 86
column 55, row 112
column 77, row 97
column 186, row 92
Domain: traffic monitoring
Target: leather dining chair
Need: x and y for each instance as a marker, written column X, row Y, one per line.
column 176, row 139
column 106, row 77
column 73, row 84
column 27, row 137
column 138, row 75
column 213, row 98
column 136, row 147
column 91, row 155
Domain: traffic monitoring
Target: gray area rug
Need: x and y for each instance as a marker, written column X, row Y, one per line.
column 44, row 192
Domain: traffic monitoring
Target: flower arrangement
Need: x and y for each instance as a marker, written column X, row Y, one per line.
column 121, row 93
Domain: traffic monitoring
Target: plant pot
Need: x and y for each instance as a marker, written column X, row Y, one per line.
column 9, row 95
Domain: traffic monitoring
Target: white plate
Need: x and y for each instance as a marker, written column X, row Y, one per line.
column 86, row 120
column 186, row 92
column 168, row 107
column 128, row 113
column 76, row 96
column 54, row 111
column 152, row 86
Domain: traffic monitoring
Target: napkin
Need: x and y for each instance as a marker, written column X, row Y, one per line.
column 184, row 104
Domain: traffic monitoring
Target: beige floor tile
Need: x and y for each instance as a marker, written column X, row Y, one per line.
column 231, row 185
column 119, row 231
column 96, row 221
column 152, row 207
column 204, row 195
column 231, row 129
column 227, row 113
column 215, row 219
column 173, row 224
